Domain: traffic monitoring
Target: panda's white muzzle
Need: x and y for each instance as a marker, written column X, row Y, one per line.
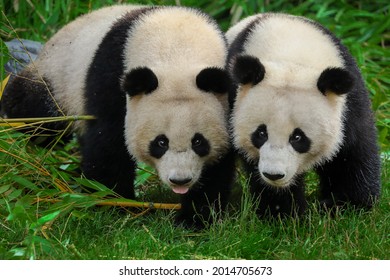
column 277, row 165
column 180, row 170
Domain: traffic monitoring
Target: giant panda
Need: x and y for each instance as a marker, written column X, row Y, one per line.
column 300, row 103
column 154, row 79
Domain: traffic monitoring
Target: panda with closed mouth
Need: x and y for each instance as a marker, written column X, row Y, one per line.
column 300, row 103
column 154, row 79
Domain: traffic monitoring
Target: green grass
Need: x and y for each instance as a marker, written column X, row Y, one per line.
column 73, row 227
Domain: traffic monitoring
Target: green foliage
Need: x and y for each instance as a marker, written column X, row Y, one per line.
column 43, row 214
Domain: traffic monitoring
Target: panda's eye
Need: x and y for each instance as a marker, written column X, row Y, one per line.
column 296, row 138
column 163, row 143
column 196, row 142
column 263, row 133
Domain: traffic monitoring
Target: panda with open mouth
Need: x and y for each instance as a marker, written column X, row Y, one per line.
column 154, row 79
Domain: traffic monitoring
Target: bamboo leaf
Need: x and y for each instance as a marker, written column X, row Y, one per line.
column 93, row 185
column 41, row 221
column 3, row 189
column 24, row 182
column 48, row 217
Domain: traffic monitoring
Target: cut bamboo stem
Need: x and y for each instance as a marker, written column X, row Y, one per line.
column 21, row 122
column 131, row 204
column 47, row 119
column 150, row 205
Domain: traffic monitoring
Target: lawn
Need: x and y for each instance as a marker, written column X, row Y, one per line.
column 43, row 214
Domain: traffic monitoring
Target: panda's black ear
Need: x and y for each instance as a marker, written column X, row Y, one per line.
column 213, row 79
column 140, row 80
column 248, row 70
column 336, row 80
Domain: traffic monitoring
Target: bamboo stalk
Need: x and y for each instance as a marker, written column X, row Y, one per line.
column 15, row 124
column 25, row 122
column 149, row 205
column 131, row 204
column 47, row 119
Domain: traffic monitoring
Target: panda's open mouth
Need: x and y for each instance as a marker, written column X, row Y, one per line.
column 179, row 171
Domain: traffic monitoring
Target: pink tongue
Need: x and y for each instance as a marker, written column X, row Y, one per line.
column 180, row 190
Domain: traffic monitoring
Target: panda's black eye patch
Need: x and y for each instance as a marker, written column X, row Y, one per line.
column 200, row 145
column 139, row 80
column 299, row 141
column 259, row 136
column 159, row 146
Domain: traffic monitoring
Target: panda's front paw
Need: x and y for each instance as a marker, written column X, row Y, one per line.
column 327, row 203
column 190, row 222
column 332, row 206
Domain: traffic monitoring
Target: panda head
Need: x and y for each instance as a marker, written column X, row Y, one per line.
column 287, row 119
column 177, row 127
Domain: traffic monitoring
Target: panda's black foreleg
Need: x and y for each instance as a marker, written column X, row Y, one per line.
column 105, row 157
column 205, row 202
column 274, row 202
column 352, row 177
column 353, row 174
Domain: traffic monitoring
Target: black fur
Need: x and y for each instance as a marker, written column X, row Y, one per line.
column 299, row 141
column 159, row 146
column 335, row 80
column 248, row 70
column 140, row 80
column 32, row 96
column 353, row 175
column 200, row 145
column 259, row 136
column 21, row 94
column 213, row 79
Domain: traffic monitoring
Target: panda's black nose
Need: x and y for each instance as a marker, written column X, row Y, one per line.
column 273, row 177
column 180, row 182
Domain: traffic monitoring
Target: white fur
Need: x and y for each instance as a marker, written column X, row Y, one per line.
column 294, row 54
column 176, row 37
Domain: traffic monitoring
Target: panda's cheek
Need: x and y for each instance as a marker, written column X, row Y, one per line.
column 246, row 148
